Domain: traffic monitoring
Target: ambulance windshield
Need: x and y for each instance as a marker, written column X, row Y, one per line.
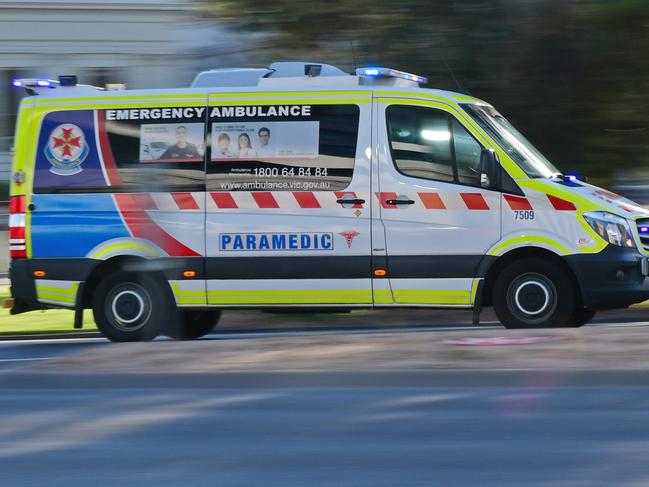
column 521, row 150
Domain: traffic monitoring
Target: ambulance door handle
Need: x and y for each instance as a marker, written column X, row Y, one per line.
column 400, row 202
column 350, row 201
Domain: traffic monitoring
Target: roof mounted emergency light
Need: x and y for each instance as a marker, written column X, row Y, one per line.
column 36, row 86
column 30, row 83
column 376, row 72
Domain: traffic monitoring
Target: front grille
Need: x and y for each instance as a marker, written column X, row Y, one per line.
column 643, row 232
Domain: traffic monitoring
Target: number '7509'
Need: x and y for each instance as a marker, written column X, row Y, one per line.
column 523, row 214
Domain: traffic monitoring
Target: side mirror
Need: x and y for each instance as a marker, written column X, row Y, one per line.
column 488, row 169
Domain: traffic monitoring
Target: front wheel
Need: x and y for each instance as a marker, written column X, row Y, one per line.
column 193, row 324
column 534, row 293
column 132, row 307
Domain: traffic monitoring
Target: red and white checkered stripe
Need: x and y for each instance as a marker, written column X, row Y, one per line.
column 277, row 199
column 242, row 200
column 224, row 200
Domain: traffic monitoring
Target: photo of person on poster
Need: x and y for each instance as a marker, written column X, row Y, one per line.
column 265, row 148
column 182, row 149
column 245, row 146
column 223, row 147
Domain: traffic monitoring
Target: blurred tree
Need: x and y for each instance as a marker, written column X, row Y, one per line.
column 569, row 73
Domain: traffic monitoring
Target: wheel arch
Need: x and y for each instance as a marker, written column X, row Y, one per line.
column 114, row 264
column 493, row 267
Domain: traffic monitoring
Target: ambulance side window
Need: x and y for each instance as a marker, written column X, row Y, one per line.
column 158, row 155
column 431, row 144
column 420, row 141
column 282, row 148
column 467, row 155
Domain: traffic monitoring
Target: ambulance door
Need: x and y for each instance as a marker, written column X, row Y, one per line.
column 438, row 221
column 287, row 219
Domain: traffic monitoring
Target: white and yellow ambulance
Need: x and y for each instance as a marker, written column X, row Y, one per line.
column 299, row 185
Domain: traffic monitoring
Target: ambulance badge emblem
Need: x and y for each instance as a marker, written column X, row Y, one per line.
column 349, row 237
column 66, row 150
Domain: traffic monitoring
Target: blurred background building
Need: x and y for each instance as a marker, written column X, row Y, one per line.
column 143, row 43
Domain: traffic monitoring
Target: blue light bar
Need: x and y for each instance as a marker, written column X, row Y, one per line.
column 375, row 72
column 371, row 72
column 643, row 229
column 572, row 178
column 34, row 83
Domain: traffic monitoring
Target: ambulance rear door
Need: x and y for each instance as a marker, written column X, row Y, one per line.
column 438, row 221
column 288, row 190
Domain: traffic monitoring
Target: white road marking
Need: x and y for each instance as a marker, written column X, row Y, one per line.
column 24, row 359
column 55, row 340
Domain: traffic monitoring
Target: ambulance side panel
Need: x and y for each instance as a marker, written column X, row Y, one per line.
column 101, row 194
column 278, row 230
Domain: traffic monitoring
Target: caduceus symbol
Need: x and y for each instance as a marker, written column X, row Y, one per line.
column 349, row 237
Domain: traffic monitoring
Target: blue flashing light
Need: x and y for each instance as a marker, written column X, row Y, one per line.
column 375, row 72
column 644, row 229
column 43, row 82
column 572, row 178
column 17, row 83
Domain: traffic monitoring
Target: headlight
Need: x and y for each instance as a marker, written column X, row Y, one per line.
column 612, row 228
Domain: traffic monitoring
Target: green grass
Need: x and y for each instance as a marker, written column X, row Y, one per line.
column 34, row 322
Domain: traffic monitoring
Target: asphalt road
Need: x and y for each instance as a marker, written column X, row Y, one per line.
column 361, row 432
column 345, row 427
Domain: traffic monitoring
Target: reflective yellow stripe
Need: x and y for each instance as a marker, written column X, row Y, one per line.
column 186, row 297
column 290, row 296
column 130, row 98
column 55, row 297
column 238, row 98
column 474, row 289
column 57, row 290
column 421, row 296
column 289, row 94
column 599, row 243
column 383, row 296
column 52, row 292
column 291, row 101
column 528, row 240
column 106, row 105
column 125, row 246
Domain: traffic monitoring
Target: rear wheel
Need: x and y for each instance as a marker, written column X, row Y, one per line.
column 534, row 293
column 193, row 324
column 132, row 307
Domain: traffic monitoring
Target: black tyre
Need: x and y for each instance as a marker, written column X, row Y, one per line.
column 534, row 293
column 581, row 316
column 193, row 324
column 132, row 307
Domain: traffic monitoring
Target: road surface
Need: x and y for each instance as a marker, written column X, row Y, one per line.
column 384, row 427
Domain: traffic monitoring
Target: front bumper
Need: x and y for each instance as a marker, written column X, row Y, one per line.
column 613, row 278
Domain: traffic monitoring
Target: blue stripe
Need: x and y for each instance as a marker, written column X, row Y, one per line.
column 72, row 225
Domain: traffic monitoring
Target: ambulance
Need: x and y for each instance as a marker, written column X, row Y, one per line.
column 302, row 186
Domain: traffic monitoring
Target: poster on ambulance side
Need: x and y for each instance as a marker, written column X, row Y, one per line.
column 171, row 142
column 265, row 140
